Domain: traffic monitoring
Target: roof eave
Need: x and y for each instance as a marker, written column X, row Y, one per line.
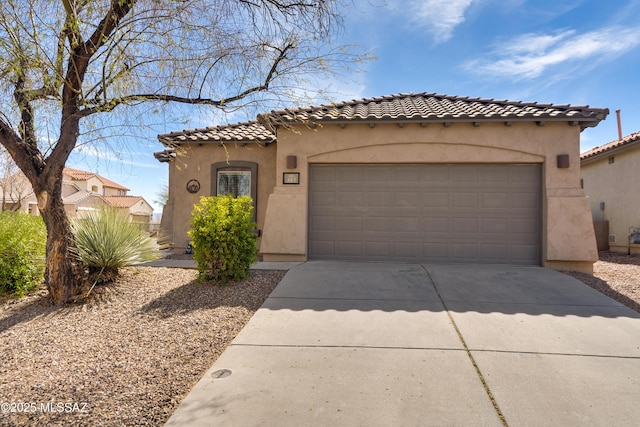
column 609, row 152
column 582, row 122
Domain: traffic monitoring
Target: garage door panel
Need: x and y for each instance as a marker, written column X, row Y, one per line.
column 444, row 213
column 378, row 174
column 464, row 200
column 494, row 225
column 494, row 200
column 467, row 174
column 528, row 200
column 406, row 199
column 463, row 226
column 409, row 175
column 496, row 175
column 323, row 248
column 378, row 198
column 523, row 226
column 435, row 199
column 349, row 223
column 322, row 223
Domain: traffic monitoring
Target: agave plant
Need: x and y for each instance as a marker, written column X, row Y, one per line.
column 106, row 241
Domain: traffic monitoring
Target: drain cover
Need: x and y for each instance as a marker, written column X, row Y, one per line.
column 221, row 373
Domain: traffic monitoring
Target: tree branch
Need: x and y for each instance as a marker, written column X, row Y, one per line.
column 271, row 75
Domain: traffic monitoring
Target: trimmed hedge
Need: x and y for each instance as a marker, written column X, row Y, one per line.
column 23, row 243
column 223, row 238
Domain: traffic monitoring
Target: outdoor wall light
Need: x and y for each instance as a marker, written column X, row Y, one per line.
column 563, row 161
column 292, row 162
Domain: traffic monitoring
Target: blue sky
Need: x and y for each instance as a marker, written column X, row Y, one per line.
column 579, row 52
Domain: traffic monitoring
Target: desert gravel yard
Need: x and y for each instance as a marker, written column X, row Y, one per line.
column 126, row 357
column 133, row 351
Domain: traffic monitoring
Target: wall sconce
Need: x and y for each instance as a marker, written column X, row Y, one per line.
column 292, row 162
column 563, row 161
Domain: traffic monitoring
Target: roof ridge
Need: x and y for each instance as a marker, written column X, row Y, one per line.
column 398, row 96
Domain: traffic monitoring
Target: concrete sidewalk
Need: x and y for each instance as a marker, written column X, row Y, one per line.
column 357, row 344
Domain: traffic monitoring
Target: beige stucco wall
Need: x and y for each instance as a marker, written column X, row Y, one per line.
column 89, row 204
column 194, row 161
column 616, row 185
column 567, row 232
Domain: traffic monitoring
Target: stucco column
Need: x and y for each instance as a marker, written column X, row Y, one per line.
column 571, row 242
column 285, row 225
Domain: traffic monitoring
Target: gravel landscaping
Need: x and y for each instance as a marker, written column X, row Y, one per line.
column 132, row 352
column 617, row 276
column 128, row 356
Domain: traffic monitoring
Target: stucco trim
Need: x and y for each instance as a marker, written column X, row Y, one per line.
column 427, row 152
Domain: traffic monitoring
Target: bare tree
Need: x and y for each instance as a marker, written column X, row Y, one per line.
column 65, row 61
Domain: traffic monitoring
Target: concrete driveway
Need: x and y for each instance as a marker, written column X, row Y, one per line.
column 380, row 344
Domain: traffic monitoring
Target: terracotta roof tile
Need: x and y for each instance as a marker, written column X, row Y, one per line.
column 438, row 108
column 629, row 139
column 80, row 175
column 239, row 132
column 123, row 201
column 423, row 107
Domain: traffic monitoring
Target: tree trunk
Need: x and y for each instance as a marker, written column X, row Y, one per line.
column 64, row 273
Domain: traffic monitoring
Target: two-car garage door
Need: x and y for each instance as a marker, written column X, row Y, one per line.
column 478, row 213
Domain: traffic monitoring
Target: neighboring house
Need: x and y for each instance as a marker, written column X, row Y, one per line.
column 138, row 209
column 414, row 177
column 84, row 191
column 611, row 179
column 16, row 194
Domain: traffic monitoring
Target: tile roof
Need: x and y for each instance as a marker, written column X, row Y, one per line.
column 239, row 132
column 123, row 201
column 627, row 140
column 80, row 175
column 431, row 107
column 420, row 107
column 78, row 197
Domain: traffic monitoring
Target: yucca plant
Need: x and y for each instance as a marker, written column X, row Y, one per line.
column 107, row 241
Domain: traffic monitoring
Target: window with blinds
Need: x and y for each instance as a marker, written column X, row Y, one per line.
column 237, row 183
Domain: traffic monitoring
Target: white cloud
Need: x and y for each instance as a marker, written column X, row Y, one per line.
column 529, row 56
column 113, row 156
column 439, row 17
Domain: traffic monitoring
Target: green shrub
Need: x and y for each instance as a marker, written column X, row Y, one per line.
column 107, row 240
column 23, row 242
column 224, row 244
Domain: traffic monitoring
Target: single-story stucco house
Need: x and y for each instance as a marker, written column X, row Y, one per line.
column 611, row 179
column 409, row 177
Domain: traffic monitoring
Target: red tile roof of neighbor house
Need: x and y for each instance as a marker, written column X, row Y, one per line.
column 123, row 201
column 80, row 175
column 421, row 108
column 618, row 143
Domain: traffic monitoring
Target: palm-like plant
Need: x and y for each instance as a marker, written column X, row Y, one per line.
column 106, row 241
